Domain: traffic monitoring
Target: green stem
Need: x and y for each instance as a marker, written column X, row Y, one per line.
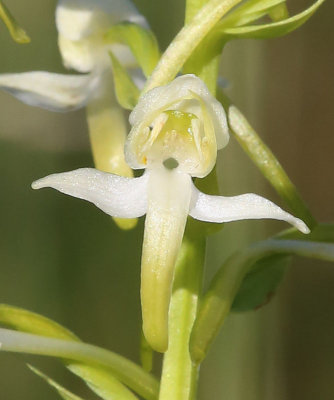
column 187, row 40
column 204, row 61
column 218, row 300
column 266, row 161
column 179, row 374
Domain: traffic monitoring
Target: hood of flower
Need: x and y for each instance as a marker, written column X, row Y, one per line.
column 181, row 121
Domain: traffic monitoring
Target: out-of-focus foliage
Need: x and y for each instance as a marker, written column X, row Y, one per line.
column 17, row 33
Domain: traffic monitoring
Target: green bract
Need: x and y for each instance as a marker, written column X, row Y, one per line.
column 64, row 393
column 270, row 30
column 17, row 33
column 141, row 41
column 249, row 12
column 127, row 92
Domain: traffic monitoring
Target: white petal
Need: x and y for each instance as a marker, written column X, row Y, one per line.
column 55, row 92
column 77, row 19
column 160, row 98
column 90, row 53
column 246, row 206
column 115, row 195
column 83, row 55
column 169, row 194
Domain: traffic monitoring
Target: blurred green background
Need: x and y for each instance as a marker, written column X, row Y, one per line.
column 65, row 259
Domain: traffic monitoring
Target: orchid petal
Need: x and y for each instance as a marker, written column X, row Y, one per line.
column 115, row 195
column 54, row 92
column 169, row 194
column 89, row 53
column 81, row 26
column 172, row 96
column 77, row 19
column 246, row 206
column 82, row 55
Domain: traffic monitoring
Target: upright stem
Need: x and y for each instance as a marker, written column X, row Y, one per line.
column 204, row 61
column 187, row 40
column 179, row 374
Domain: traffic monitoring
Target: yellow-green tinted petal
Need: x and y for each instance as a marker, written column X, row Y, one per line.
column 168, row 204
column 107, row 132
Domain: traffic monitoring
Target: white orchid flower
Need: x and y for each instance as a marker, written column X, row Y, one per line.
column 176, row 132
column 81, row 26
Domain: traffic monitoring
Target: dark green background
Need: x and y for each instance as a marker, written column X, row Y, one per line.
column 65, row 259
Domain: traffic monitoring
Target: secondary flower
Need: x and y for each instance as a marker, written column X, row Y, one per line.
column 82, row 25
column 176, row 132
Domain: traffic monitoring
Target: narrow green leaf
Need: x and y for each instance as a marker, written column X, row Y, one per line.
column 27, row 321
column 17, row 33
column 101, row 382
column 141, row 41
column 121, row 368
column 64, row 393
column 261, row 283
column 218, row 300
column 127, row 92
column 274, row 29
column 101, row 362
column 266, row 274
